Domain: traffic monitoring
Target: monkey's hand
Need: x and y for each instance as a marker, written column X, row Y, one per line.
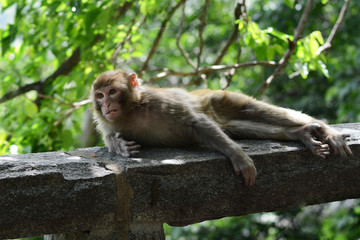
column 117, row 144
column 244, row 164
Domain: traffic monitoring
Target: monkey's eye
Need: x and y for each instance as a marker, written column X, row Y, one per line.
column 112, row 91
column 99, row 95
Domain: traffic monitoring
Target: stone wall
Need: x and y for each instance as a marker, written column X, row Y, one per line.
column 93, row 194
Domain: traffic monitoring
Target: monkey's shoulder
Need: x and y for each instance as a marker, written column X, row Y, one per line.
column 167, row 93
column 167, row 100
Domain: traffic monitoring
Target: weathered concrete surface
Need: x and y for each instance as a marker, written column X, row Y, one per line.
column 53, row 192
column 188, row 186
column 61, row 192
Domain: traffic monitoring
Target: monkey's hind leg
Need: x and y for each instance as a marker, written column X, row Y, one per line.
column 310, row 134
column 240, row 129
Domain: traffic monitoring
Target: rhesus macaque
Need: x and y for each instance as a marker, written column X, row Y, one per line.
column 129, row 115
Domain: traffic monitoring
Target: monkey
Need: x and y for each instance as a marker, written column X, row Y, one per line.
column 129, row 115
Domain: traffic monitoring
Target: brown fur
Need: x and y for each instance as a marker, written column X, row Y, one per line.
column 174, row 117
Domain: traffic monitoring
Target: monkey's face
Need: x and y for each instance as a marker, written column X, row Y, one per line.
column 113, row 92
column 109, row 101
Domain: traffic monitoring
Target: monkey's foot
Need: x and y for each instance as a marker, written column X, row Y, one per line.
column 337, row 143
column 123, row 147
column 309, row 135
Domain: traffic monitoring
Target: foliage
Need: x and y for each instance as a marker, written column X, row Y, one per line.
column 325, row 221
column 52, row 50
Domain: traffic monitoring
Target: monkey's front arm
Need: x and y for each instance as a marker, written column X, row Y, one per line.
column 209, row 133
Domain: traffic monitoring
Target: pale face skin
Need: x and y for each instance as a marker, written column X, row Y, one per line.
column 108, row 98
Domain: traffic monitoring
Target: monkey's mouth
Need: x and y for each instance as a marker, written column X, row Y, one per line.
column 111, row 111
column 111, row 114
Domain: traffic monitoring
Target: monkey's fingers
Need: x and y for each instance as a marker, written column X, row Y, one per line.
column 345, row 151
column 236, row 168
column 345, row 135
column 314, row 142
column 118, row 135
column 333, row 146
column 249, row 175
column 323, row 151
column 317, row 147
column 132, row 153
column 348, row 150
column 130, row 143
column 134, row 147
column 340, row 147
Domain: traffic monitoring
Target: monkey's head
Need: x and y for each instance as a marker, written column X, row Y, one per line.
column 113, row 93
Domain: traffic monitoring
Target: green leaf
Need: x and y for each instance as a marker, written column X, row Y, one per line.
column 52, row 29
column 147, row 6
column 290, row 3
column 67, row 139
column 318, row 36
column 277, row 34
column 313, row 46
column 90, row 18
column 5, row 45
column 324, row 69
column 6, row 41
column 241, row 24
column 270, row 53
column 300, row 51
column 104, row 17
column 31, row 109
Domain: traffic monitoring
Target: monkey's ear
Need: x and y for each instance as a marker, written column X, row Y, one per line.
column 133, row 80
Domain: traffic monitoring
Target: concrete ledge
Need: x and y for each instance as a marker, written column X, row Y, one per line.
column 107, row 195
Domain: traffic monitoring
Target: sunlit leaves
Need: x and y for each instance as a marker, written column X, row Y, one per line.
column 256, row 39
column 307, row 58
column 149, row 7
column 43, row 34
column 271, row 44
column 4, row 144
column 290, row 3
column 284, row 37
column 324, row 1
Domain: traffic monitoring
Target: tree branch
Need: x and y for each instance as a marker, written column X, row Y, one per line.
column 201, row 29
column 120, row 46
column 212, row 69
column 178, row 36
column 292, row 45
column 327, row 44
column 158, row 37
column 64, row 69
column 75, row 106
column 240, row 9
